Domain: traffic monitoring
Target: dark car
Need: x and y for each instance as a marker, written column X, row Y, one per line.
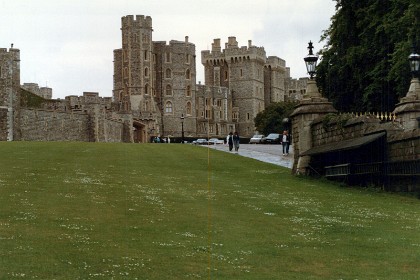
column 272, row 138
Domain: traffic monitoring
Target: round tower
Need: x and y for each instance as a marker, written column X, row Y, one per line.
column 9, row 93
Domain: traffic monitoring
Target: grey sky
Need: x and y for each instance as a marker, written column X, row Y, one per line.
column 68, row 45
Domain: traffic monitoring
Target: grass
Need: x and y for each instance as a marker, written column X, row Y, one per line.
column 157, row 211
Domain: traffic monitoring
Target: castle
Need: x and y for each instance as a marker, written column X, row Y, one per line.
column 154, row 91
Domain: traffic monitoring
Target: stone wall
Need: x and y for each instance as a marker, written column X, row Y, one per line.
column 327, row 130
column 3, row 124
column 42, row 125
column 404, row 146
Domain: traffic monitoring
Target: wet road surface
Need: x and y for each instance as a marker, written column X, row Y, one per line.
column 266, row 153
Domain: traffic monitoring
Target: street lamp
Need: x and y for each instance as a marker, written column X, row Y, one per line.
column 182, row 128
column 310, row 61
column 414, row 60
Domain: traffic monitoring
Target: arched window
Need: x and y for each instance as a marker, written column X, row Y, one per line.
column 146, row 89
column 168, row 107
column 146, row 72
column 189, row 108
column 188, row 91
column 168, row 90
column 168, row 73
column 188, row 74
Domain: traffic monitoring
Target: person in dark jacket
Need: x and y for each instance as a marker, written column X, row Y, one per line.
column 236, row 141
column 229, row 140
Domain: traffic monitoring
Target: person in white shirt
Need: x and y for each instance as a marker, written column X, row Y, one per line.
column 285, row 142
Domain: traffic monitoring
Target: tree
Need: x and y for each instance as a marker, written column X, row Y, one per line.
column 364, row 63
column 271, row 119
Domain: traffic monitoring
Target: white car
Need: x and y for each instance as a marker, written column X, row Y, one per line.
column 256, row 139
column 215, row 141
column 200, row 141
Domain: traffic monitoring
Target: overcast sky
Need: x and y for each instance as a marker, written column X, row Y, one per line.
column 68, row 44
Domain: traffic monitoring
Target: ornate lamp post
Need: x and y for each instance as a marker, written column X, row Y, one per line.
column 414, row 60
column 182, row 128
column 408, row 110
column 311, row 87
column 310, row 61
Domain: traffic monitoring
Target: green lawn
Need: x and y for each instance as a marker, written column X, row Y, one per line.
column 172, row 211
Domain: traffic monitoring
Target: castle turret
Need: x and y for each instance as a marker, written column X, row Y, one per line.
column 253, row 80
column 9, row 93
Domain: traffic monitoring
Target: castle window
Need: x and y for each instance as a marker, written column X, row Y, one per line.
column 146, row 72
column 168, row 57
column 188, row 91
column 146, row 89
column 125, row 55
column 188, row 74
column 188, row 58
column 219, row 102
column 146, row 57
column 168, row 107
column 168, row 90
column 226, row 75
column 168, row 73
column 241, row 73
column 189, row 109
column 235, row 116
column 247, row 116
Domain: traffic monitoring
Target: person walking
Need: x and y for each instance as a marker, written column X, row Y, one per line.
column 285, row 142
column 229, row 140
column 236, row 141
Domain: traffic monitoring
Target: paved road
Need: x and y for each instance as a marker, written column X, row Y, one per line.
column 267, row 153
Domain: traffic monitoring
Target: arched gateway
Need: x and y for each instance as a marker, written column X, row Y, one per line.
column 139, row 132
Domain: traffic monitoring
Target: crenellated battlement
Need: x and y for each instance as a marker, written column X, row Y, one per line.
column 139, row 21
column 276, row 62
column 232, row 52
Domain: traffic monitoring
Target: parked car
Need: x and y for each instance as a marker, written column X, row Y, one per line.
column 256, row 139
column 215, row 141
column 272, row 138
column 200, row 141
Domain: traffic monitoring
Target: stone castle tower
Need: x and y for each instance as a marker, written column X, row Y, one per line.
column 9, row 93
column 133, row 75
column 253, row 79
column 175, row 88
column 153, row 81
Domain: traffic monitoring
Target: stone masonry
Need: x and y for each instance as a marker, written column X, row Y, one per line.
column 154, row 91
